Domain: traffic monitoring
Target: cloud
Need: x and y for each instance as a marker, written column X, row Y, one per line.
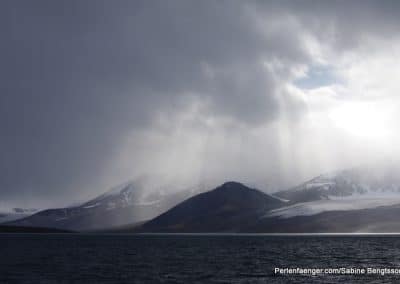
column 95, row 92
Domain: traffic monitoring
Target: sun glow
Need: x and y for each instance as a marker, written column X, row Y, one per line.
column 362, row 120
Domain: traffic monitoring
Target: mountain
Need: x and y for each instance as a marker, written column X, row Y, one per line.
column 354, row 189
column 357, row 182
column 356, row 200
column 15, row 214
column 382, row 219
column 227, row 208
column 124, row 204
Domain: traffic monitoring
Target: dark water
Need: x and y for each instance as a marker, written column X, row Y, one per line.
column 190, row 258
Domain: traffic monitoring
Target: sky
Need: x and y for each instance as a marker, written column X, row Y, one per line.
column 270, row 93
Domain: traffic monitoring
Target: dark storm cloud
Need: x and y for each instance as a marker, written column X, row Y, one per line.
column 77, row 75
column 347, row 24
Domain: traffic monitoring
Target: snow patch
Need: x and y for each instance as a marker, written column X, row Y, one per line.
column 147, row 203
column 280, row 199
column 337, row 204
column 92, row 206
column 9, row 217
column 323, row 185
column 13, row 214
column 118, row 189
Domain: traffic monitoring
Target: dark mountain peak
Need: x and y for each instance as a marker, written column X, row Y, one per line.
column 232, row 185
column 228, row 207
column 239, row 193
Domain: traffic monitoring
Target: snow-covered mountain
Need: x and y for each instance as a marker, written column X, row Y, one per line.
column 359, row 182
column 316, row 205
column 233, row 207
column 353, row 189
column 121, row 205
column 8, row 215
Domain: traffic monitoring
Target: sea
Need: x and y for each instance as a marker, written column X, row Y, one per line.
column 198, row 258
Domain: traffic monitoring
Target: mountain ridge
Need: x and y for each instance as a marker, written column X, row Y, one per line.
column 121, row 205
column 233, row 207
column 225, row 208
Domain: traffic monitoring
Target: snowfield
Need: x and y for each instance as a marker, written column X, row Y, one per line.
column 8, row 215
column 333, row 204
